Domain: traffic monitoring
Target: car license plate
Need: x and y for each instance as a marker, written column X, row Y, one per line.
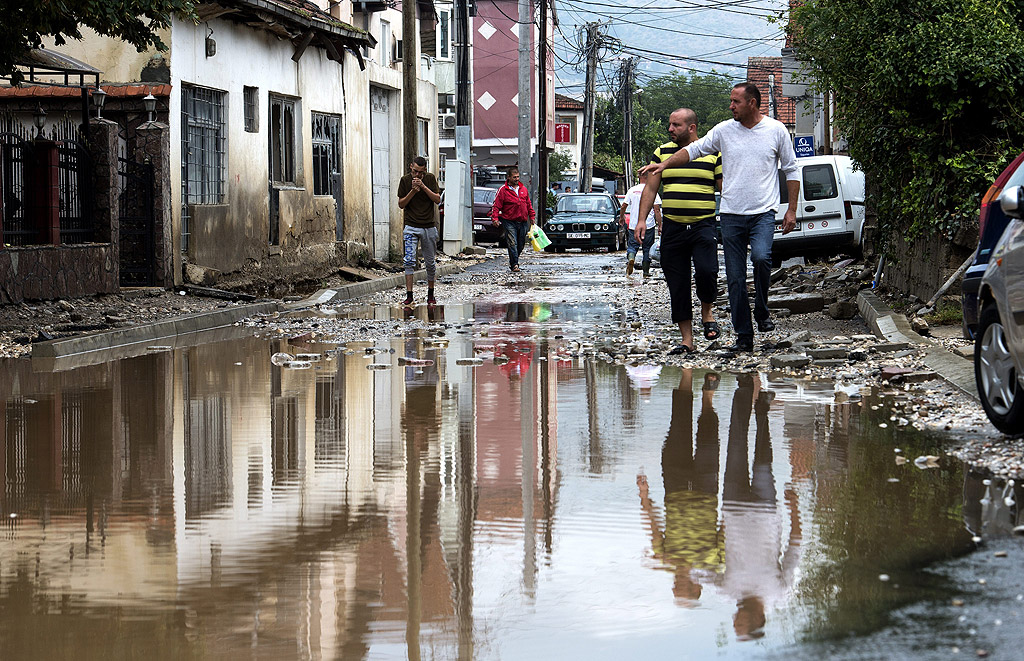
column 778, row 228
column 578, row 235
column 478, row 227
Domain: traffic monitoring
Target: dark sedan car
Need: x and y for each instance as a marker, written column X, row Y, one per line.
column 587, row 221
column 991, row 223
column 483, row 230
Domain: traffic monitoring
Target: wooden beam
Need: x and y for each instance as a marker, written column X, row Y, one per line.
column 332, row 52
column 303, row 44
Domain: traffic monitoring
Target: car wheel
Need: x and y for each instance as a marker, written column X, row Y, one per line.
column 996, row 375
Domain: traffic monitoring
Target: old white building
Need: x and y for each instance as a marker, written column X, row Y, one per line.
column 286, row 130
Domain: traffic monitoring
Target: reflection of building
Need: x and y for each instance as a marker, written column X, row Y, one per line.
column 282, row 507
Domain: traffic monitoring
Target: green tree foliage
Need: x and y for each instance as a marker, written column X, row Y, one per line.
column 559, row 162
column 929, row 96
column 707, row 95
column 26, row 23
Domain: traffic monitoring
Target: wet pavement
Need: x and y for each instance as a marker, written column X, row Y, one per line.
column 463, row 483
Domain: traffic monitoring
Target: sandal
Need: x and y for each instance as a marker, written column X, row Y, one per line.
column 710, row 382
column 515, row 269
column 680, row 349
column 711, row 330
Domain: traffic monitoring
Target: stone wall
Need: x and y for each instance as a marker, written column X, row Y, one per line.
column 921, row 266
column 49, row 272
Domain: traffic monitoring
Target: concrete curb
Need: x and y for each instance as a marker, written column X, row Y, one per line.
column 893, row 327
column 357, row 289
column 157, row 330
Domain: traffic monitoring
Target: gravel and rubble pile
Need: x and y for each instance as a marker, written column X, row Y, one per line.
column 24, row 323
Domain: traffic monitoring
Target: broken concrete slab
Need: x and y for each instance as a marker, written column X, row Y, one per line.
column 801, row 336
column 799, row 303
column 823, row 353
column 790, row 360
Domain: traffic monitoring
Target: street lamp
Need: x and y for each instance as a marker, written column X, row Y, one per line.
column 99, row 97
column 39, row 117
column 149, row 102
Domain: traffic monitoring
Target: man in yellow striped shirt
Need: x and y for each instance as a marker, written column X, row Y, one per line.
column 688, row 229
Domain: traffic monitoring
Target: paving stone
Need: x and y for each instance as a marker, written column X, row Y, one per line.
column 915, row 377
column 891, row 371
column 889, row 347
column 799, row 303
column 794, row 338
column 823, row 353
column 791, row 360
column 966, row 351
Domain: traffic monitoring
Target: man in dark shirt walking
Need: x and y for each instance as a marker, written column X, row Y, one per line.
column 512, row 207
column 418, row 196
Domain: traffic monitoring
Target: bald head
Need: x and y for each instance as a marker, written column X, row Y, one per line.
column 682, row 126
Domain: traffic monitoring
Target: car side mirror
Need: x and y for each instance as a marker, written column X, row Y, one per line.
column 1012, row 201
column 548, row 213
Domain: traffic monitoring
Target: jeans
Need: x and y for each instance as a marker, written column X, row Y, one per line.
column 515, row 239
column 632, row 245
column 427, row 238
column 757, row 231
column 680, row 245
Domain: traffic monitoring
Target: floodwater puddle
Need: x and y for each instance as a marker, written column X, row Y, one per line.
column 479, row 495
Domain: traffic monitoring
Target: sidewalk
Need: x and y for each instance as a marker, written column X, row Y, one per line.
column 893, row 327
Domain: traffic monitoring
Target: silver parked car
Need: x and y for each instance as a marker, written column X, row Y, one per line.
column 999, row 342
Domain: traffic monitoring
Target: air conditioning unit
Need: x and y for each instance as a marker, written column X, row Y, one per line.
column 398, row 51
column 448, row 120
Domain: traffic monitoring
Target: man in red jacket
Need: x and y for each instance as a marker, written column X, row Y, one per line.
column 513, row 209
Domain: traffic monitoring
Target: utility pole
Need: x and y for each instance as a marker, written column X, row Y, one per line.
column 460, row 210
column 525, row 95
column 409, row 87
column 542, row 116
column 827, row 116
column 628, row 73
column 592, row 47
column 772, row 109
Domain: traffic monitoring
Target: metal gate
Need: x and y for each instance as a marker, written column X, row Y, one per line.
column 137, row 224
column 15, row 229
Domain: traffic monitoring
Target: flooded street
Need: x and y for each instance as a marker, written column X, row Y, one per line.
column 457, row 483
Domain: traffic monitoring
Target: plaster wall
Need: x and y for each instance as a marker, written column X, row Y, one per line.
column 247, row 57
column 118, row 60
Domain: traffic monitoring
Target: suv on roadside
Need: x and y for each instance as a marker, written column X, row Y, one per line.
column 992, row 220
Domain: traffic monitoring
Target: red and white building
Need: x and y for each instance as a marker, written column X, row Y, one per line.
column 494, row 66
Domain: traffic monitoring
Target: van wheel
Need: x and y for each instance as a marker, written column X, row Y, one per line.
column 996, row 375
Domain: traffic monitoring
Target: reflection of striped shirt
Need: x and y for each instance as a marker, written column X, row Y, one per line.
column 688, row 193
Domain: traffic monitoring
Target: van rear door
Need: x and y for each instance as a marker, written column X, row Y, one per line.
column 821, row 203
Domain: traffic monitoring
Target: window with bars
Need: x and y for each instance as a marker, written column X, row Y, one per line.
column 252, row 109
column 203, row 158
column 282, row 140
column 326, row 152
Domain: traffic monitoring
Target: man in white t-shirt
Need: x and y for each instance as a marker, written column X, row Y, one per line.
column 631, row 205
column 754, row 148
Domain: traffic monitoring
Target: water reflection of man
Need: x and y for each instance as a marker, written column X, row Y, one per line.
column 690, row 542
column 756, row 574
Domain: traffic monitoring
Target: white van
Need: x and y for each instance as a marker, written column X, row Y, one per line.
column 830, row 215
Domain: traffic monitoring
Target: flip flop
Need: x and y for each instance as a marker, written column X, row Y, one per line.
column 680, row 349
column 710, row 381
column 711, row 330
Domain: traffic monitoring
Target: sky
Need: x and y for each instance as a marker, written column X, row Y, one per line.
column 690, row 36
